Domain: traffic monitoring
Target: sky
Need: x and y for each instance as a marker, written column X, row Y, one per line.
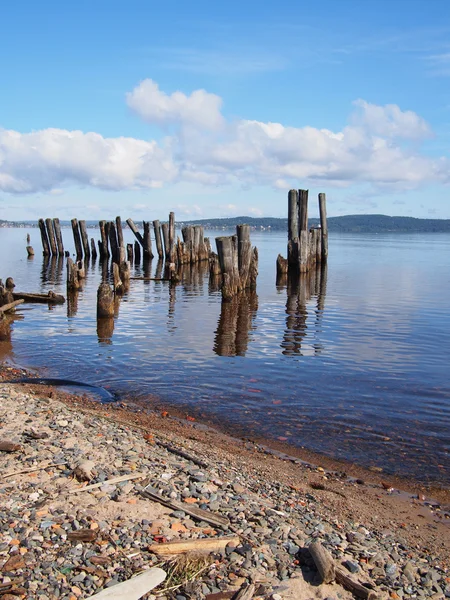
column 137, row 108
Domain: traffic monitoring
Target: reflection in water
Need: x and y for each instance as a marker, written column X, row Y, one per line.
column 72, row 303
column 105, row 330
column 300, row 290
column 236, row 319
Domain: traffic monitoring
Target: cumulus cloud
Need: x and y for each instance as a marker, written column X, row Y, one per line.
column 44, row 159
column 201, row 109
column 379, row 146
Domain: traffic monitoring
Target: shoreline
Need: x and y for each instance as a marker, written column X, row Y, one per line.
column 406, row 487
column 276, row 506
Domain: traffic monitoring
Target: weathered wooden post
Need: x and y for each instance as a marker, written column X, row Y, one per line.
column 51, row 236
column 137, row 253
column 105, row 301
column 228, row 258
column 113, row 242
column 119, row 232
column 158, row 241
column 84, row 239
column 323, row 225
column 130, row 252
column 77, row 239
column 165, row 232
column 117, row 282
column 303, row 230
column 44, row 238
column 73, row 282
column 244, row 248
column 93, row 249
column 148, row 254
column 30, row 251
column 58, row 235
column 136, row 232
column 103, row 245
column 171, row 236
column 124, row 273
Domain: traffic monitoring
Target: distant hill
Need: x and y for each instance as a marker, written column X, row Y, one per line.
column 345, row 224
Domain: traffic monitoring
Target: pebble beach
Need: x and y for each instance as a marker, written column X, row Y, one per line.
column 60, row 540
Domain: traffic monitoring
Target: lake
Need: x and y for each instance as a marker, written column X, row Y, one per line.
column 352, row 363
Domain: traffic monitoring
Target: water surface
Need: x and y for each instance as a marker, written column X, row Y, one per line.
column 352, row 362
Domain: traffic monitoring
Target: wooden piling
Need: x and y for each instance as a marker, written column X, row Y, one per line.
column 77, row 239
column 165, row 232
column 30, row 251
column 158, row 241
column 124, row 273
column 137, row 253
column 147, row 240
column 105, row 301
column 293, row 214
column 51, row 236
column 113, row 242
column 93, row 249
column 244, row 248
column 44, row 238
column 117, row 282
column 229, row 266
column 103, row 244
column 171, row 236
column 130, row 252
column 73, row 282
column 58, row 235
column 84, row 239
column 136, row 232
column 119, row 230
column 323, row 226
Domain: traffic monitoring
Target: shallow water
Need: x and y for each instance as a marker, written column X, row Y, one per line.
column 352, row 363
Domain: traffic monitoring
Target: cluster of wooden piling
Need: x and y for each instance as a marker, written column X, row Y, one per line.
column 52, row 243
column 306, row 248
column 236, row 261
column 195, row 247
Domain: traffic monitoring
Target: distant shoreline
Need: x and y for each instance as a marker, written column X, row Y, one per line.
column 343, row 224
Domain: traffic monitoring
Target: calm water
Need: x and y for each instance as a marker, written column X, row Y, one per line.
column 353, row 363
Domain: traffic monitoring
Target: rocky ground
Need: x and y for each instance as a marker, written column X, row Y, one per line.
column 58, row 541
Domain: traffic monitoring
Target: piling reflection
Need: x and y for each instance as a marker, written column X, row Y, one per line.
column 235, row 322
column 72, row 303
column 303, row 316
column 105, row 330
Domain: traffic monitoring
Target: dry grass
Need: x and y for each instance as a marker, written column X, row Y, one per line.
column 184, row 569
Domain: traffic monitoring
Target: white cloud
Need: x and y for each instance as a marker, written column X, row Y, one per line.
column 200, row 109
column 43, row 159
column 389, row 121
column 379, row 147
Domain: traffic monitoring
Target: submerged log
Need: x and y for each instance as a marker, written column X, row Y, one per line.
column 50, row 298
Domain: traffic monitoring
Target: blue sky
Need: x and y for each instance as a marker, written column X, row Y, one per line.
column 136, row 108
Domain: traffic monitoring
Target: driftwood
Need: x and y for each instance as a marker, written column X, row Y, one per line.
column 31, row 470
column 10, row 305
column 329, row 571
column 202, row 545
column 197, row 513
column 50, row 298
column 183, row 454
column 246, row 592
column 118, row 479
column 323, row 561
column 7, row 446
column 82, row 535
column 133, row 588
column 356, row 588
